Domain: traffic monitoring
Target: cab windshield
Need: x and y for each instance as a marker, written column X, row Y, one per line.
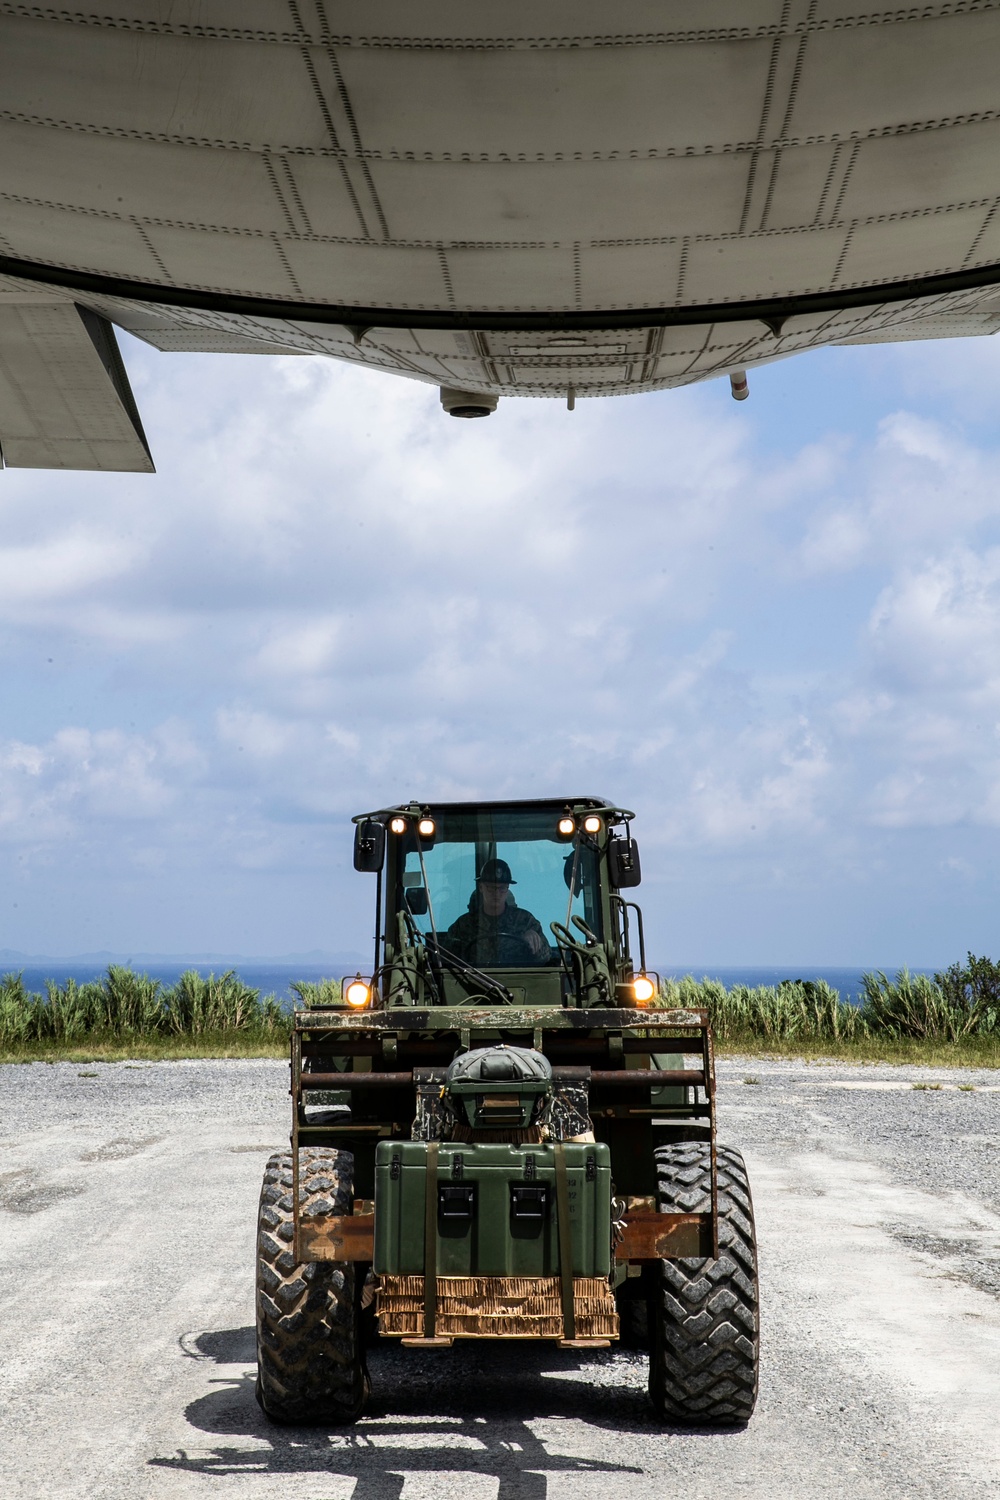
column 492, row 882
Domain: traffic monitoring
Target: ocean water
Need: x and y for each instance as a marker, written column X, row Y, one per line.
column 276, row 979
column 846, row 981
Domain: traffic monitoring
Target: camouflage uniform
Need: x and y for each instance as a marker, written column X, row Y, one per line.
column 477, row 937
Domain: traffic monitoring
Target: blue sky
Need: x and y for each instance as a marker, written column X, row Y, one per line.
column 771, row 628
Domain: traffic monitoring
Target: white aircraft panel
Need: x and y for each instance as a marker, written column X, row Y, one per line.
column 131, row 176
column 368, row 275
column 986, row 251
column 802, row 186
column 79, row 239
column 559, row 23
column 763, row 265
column 321, row 189
column 561, row 201
column 601, row 101
column 921, row 245
column 202, row 341
column 235, row 262
column 168, row 87
column 515, row 278
column 863, row 78
column 923, row 169
column 929, row 328
column 642, row 275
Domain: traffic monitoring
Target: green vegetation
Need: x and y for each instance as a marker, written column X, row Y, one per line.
column 952, row 1019
column 125, row 1014
column 326, row 992
column 795, row 1011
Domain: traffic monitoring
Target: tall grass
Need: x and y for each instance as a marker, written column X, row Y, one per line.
column 322, row 992
column 124, row 1005
column 794, row 1011
column 962, row 1002
column 960, row 1005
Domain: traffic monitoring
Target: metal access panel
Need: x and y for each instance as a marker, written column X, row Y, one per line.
column 496, row 1209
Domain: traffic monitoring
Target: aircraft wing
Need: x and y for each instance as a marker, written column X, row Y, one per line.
column 65, row 400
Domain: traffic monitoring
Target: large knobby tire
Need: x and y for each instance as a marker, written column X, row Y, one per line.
column 703, row 1313
column 310, row 1361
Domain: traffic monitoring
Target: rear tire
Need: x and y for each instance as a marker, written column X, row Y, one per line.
column 703, row 1313
column 310, row 1363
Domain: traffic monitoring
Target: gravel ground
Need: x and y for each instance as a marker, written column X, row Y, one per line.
column 127, row 1205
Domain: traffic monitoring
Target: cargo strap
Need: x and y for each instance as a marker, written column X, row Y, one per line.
column 565, row 1243
column 430, row 1241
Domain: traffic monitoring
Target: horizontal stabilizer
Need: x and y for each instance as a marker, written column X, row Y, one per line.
column 65, row 400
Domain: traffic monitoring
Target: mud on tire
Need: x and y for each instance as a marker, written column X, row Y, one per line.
column 703, row 1313
column 310, row 1362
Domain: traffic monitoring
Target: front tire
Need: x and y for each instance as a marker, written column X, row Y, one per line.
column 310, row 1362
column 704, row 1313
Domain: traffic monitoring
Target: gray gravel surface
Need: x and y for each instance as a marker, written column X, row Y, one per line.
column 127, row 1206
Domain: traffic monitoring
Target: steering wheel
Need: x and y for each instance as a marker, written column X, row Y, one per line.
column 515, row 952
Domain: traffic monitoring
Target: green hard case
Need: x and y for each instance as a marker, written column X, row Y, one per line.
column 487, row 1225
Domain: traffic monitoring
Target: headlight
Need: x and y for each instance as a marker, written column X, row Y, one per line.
column 567, row 827
column 425, row 828
column 398, row 825
column 357, row 994
column 643, row 989
column 592, row 824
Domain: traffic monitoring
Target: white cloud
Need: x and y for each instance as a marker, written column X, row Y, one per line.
column 333, row 596
column 770, row 780
column 57, row 789
column 60, row 568
column 938, row 625
column 261, row 735
column 301, row 650
column 920, row 486
column 835, row 541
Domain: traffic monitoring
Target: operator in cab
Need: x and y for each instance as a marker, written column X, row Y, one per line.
column 495, row 932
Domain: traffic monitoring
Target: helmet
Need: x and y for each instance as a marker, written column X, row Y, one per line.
column 496, row 872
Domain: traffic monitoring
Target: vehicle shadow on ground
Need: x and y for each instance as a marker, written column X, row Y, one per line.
column 462, row 1411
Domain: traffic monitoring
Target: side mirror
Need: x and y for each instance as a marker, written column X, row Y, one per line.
column 416, row 900
column 369, row 846
column 623, row 864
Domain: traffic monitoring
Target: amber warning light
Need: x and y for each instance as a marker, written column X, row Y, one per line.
column 643, row 989
column 357, row 993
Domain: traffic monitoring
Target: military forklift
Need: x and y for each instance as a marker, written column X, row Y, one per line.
column 500, row 1132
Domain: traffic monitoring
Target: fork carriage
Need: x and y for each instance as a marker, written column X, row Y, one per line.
column 387, row 1066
